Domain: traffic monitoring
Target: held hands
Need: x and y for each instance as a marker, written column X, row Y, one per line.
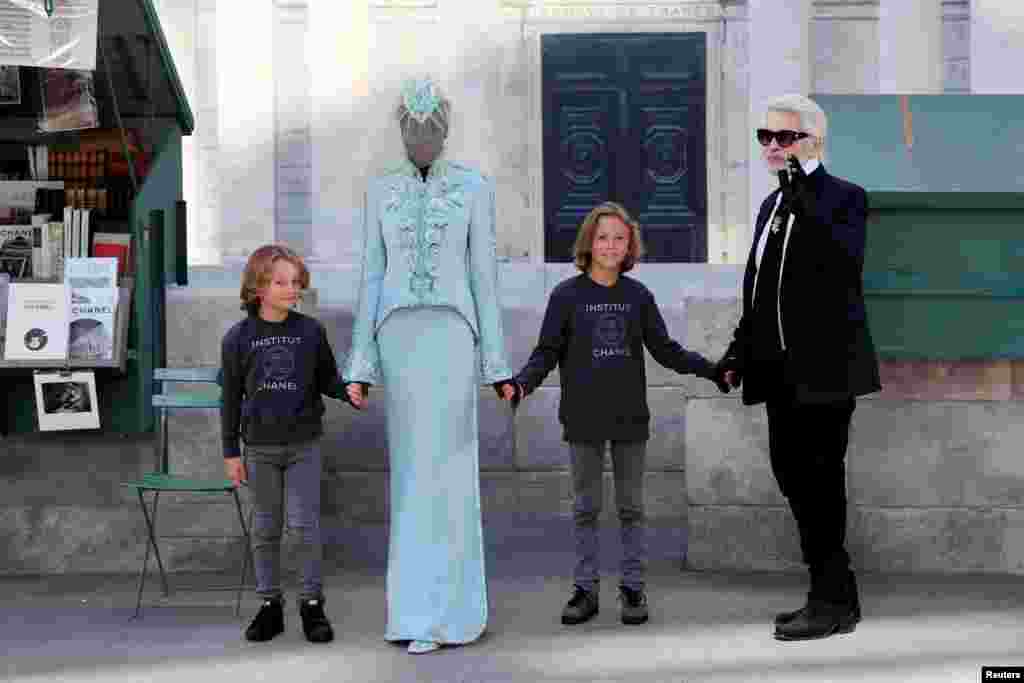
column 726, row 376
column 234, row 469
column 509, row 390
column 358, row 394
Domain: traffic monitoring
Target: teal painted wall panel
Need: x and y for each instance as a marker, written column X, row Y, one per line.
column 961, row 143
column 944, row 259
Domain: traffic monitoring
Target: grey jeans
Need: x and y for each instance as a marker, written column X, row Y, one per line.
column 588, row 494
column 278, row 474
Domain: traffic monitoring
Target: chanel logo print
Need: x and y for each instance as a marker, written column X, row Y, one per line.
column 611, row 329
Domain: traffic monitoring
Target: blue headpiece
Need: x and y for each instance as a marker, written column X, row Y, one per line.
column 422, row 101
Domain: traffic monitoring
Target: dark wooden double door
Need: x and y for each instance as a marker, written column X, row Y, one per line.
column 624, row 120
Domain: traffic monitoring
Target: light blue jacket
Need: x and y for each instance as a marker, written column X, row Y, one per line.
column 429, row 244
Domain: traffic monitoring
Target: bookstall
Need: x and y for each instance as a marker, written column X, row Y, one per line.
column 944, row 260
column 92, row 224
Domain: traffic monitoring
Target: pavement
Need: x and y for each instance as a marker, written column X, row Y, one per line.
column 705, row 627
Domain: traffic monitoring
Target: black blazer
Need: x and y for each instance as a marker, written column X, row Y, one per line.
column 831, row 356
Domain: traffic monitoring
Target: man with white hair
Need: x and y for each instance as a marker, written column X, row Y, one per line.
column 803, row 348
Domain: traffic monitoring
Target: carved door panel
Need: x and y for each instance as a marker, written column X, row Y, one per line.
column 624, row 119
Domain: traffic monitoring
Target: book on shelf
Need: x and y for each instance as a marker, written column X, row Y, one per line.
column 93, row 286
column 5, row 281
column 40, row 265
column 84, row 216
column 54, row 246
column 38, row 319
column 69, row 214
column 116, row 245
column 16, row 244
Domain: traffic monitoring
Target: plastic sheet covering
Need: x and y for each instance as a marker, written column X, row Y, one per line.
column 31, row 36
column 69, row 101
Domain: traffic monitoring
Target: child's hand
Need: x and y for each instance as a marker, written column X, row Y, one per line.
column 508, row 390
column 356, row 393
column 234, row 469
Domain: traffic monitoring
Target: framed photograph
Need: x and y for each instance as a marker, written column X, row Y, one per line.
column 66, row 400
column 10, row 85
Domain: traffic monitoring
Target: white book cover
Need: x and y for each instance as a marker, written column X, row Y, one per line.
column 38, row 315
column 5, row 281
column 40, row 264
column 69, row 214
column 38, row 267
column 76, row 232
column 83, row 248
column 16, row 250
column 55, row 249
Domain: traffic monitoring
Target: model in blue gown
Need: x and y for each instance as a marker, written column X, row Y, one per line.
column 428, row 327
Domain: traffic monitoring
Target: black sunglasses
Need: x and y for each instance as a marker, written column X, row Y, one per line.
column 785, row 137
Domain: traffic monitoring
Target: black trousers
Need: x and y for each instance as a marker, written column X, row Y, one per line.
column 807, row 448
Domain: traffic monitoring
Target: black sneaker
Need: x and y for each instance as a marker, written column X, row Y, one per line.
column 582, row 606
column 314, row 621
column 634, row 605
column 269, row 621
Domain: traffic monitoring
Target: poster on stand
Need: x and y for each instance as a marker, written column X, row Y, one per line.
column 66, row 400
column 30, row 36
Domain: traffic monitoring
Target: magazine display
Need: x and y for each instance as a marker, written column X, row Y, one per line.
column 93, row 288
column 38, row 315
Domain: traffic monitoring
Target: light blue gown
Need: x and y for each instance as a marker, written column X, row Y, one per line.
column 429, row 329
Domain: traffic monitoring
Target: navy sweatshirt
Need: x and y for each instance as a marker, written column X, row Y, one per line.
column 596, row 335
column 273, row 376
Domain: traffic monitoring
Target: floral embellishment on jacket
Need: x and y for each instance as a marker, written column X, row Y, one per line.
column 422, row 211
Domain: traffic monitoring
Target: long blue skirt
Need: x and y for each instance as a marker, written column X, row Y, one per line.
column 436, row 585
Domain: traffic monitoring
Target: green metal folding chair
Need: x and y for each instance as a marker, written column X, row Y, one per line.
column 162, row 481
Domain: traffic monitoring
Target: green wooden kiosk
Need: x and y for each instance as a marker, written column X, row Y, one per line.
column 142, row 107
column 944, row 260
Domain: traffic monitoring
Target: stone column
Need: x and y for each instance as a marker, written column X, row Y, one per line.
column 292, row 162
column 780, row 63
column 204, row 206
column 339, row 35
column 997, row 47
column 245, row 84
column 844, row 40
column 910, row 47
column 956, row 46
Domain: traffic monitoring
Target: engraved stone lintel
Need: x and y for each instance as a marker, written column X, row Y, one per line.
column 402, row 4
column 856, row 10
column 567, row 10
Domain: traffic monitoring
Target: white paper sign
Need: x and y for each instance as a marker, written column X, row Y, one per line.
column 66, row 40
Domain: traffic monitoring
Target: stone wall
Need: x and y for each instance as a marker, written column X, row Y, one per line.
column 934, row 483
